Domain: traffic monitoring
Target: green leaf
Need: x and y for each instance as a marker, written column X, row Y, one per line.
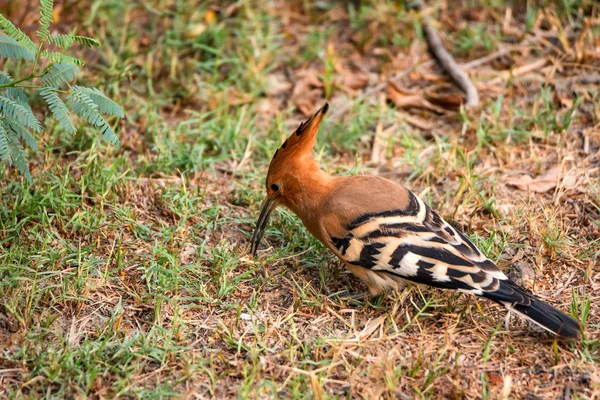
column 20, row 130
column 10, row 48
column 84, row 106
column 16, row 33
column 105, row 105
column 5, row 78
column 58, row 108
column 12, row 151
column 17, row 94
column 14, row 93
column 18, row 156
column 12, row 109
column 60, row 58
column 66, row 41
column 4, row 144
column 59, row 74
column 45, row 18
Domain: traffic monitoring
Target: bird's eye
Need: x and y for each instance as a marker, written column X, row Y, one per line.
column 275, row 187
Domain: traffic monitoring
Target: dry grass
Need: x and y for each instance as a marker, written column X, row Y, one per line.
column 123, row 273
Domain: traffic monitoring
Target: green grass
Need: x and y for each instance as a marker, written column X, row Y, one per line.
column 124, row 273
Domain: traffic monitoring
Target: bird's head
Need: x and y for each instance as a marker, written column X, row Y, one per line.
column 291, row 164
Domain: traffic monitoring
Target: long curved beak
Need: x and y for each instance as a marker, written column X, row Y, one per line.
column 267, row 208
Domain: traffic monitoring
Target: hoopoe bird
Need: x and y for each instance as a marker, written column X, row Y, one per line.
column 386, row 235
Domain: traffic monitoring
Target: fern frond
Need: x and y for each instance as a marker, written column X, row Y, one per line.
column 16, row 33
column 59, row 74
column 59, row 109
column 105, row 105
column 10, row 108
column 5, row 78
column 20, row 130
column 10, row 48
column 18, row 156
column 84, row 106
column 108, row 133
column 45, row 18
column 14, row 93
column 18, row 95
column 66, row 41
column 4, row 144
column 60, row 58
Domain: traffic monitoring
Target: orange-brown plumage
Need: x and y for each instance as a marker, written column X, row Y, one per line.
column 386, row 235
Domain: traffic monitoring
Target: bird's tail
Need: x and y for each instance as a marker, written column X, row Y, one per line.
column 527, row 306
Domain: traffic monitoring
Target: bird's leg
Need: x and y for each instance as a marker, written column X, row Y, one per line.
column 377, row 282
column 374, row 283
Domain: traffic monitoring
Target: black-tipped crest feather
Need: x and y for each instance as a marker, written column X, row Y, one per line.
column 307, row 124
column 292, row 141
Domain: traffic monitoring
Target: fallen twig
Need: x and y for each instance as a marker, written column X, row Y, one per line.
column 478, row 62
column 447, row 63
column 580, row 79
column 376, row 150
column 522, row 70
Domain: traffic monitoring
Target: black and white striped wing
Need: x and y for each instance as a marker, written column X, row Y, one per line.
column 416, row 244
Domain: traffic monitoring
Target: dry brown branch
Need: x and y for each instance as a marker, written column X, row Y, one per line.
column 522, row 70
column 581, row 80
column 445, row 60
column 377, row 149
column 478, row 62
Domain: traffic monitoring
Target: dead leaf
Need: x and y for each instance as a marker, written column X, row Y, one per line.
column 236, row 97
column 354, row 79
column 494, row 378
column 277, row 84
column 210, row 16
column 56, row 14
column 522, row 273
column 445, row 96
column 562, row 97
column 186, row 255
column 232, row 9
column 307, row 91
column 547, row 181
column 194, row 31
column 405, row 99
column 307, row 79
column 419, row 122
column 424, row 76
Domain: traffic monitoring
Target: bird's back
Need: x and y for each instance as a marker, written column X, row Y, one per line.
column 387, row 229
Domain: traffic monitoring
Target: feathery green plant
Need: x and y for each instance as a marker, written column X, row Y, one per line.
column 52, row 74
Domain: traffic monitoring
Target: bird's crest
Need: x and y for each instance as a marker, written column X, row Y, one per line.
column 302, row 141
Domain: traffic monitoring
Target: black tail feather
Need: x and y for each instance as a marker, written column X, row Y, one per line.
column 526, row 305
